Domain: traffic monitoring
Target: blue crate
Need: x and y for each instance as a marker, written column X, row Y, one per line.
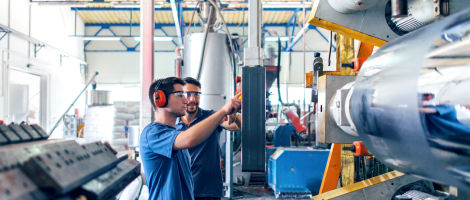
column 296, row 170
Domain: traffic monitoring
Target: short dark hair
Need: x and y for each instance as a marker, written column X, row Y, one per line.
column 164, row 84
column 193, row 81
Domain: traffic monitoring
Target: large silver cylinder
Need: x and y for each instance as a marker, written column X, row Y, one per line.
column 410, row 103
column 216, row 73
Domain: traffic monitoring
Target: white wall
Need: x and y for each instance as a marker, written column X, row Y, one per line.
column 123, row 67
column 58, row 63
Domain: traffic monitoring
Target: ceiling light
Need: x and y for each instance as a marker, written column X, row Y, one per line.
column 101, row 38
column 275, row 39
column 158, row 38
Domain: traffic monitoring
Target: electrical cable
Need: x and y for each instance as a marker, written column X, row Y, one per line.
column 279, row 69
column 201, row 62
column 192, row 17
column 225, row 24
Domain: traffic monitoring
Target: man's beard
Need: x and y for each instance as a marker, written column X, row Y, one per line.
column 191, row 111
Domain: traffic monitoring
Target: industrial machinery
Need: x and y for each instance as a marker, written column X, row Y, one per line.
column 408, row 103
column 34, row 168
column 378, row 22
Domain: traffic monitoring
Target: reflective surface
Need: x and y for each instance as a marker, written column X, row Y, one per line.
column 216, row 69
column 411, row 102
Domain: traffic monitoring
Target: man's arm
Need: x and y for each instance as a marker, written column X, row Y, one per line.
column 199, row 132
column 233, row 123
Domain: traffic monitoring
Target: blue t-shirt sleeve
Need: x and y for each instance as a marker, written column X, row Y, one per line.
column 219, row 127
column 160, row 140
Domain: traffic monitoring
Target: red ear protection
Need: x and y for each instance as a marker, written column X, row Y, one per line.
column 159, row 98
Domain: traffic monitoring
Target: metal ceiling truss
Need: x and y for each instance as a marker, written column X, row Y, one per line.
column 177, row 10
column 288, row 47
column 114, row 35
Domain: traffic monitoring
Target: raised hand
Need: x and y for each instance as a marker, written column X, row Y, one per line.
column 232, row 106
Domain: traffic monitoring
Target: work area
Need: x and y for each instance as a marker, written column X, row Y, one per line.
column 230, row 99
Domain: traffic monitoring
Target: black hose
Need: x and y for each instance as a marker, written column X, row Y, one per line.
column 279, row 69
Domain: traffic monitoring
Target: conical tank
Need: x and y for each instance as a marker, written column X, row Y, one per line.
column 216, row 75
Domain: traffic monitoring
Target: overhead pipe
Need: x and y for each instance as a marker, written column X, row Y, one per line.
column 297, row 37
column 176, row 18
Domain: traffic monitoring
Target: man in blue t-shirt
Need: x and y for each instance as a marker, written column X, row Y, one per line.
column 205, row 157
column 163, row 149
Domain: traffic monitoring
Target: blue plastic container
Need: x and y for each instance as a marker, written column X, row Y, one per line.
column 296, row 170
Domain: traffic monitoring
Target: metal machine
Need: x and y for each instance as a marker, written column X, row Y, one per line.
column 33, row 168
column 408, row 103
column 380, row 21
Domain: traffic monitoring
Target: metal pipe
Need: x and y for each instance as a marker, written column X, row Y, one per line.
column 252, row 53
column 147, row 29
column 178, row 61
column 399, row 8
column 207, row 18
column 199, row 72
column 297, row 37
column 176, row 18
column 71, row 105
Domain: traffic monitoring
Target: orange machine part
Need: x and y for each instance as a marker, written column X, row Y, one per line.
column 361, row 149
column 295, row 120
column 332, row 169
column 358, row 63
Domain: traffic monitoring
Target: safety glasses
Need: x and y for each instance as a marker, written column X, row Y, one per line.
column 194, row 94
column 180, row 94
column 188, row 94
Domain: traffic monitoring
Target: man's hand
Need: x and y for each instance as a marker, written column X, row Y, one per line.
column 232, row 106
column 231, row 118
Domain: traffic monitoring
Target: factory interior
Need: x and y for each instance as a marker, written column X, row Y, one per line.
column 338, row 99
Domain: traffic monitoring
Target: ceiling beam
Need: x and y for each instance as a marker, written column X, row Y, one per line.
column 169, row 9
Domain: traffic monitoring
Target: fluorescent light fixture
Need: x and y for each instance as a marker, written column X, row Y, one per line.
column 101, row 38
column 158, row 38
column 274, row 4
column 274, row 39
